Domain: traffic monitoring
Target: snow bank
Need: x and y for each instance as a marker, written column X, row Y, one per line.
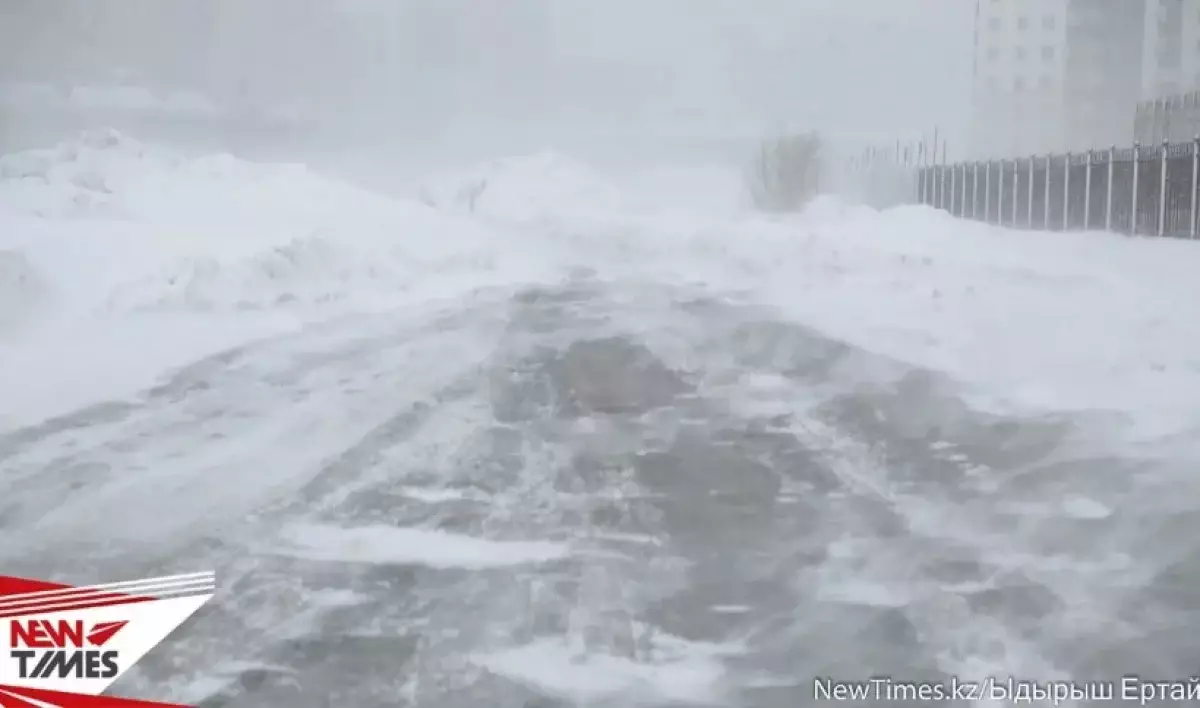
column 1036, row 320
column 105, row 226
column 217, row 233
column 525, row 188
column 182, row 256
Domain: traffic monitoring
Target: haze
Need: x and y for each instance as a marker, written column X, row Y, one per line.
column 509, row 75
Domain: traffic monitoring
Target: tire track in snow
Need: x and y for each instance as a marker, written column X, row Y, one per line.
column 720, row 505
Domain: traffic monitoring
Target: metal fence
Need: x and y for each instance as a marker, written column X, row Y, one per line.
column 1172, row 118
column 1139, row 190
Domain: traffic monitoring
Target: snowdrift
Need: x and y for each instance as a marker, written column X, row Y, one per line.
column 105, row 226
column 1030, row 320
column 217, row 233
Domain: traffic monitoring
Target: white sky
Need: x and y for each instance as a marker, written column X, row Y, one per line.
column 866, row 69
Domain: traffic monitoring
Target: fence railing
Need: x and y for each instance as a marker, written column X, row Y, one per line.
column 1140, row 190
column 1173, row 118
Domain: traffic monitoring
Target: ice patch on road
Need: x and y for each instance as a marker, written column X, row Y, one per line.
column 387, row 545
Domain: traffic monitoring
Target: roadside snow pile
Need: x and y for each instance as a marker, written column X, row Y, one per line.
column 75, row 179
column 106, row 174
column 529, row 189
column 1040, row 321
column 359, row 266
column 218, row 233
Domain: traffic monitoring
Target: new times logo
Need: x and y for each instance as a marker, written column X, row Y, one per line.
column 62, row 649
column 63, row 646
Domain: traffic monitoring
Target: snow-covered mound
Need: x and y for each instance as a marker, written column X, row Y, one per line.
column 130, row 180
column 1043, row 320
column 215, row 232
column 526, row 188
column 110, row 226
column 548, row 187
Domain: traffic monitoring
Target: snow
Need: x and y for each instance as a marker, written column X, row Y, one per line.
column 116, row 242
column 101, row 230
column 122, row 261
column 682, row 672
column 1032, row 321
column 106, row 229
column 432, row 548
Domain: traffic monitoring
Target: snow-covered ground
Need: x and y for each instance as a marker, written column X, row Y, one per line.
column 106, row 233
column 613, row 438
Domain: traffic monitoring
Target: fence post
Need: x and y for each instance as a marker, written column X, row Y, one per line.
column 1016, row 184
column 945, row 186
column 953, row 187
column 931, row 186
column 962, row 191
column 961, row 171
column 1137, row 151
column 1046, row 200
column 975, row 190
column 922, row 170
column 1066, row 192
column 1087, row 192
column 1195, row 178
column 987, row 192
column 1162, row 190
column 1112, row 158
column 1029, row 200
column 1000, row 192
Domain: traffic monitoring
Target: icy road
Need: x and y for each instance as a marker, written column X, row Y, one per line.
column 618, row 457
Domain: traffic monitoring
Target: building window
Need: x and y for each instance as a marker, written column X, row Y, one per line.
column 993, row 53
column 994, row 23
column 1019, row 52
column 1048, row 53
column 1018, row 84
column 1046, row 82
column 1022, row 23
column 1049, row 22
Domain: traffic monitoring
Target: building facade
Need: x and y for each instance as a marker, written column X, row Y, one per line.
column 1019, row 70
column 1171, row 56
column 1103, row 75
column 1055, row 75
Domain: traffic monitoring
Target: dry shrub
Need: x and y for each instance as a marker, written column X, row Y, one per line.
column 786, row 173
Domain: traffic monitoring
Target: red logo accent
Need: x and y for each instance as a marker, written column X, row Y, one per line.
column 104, row 631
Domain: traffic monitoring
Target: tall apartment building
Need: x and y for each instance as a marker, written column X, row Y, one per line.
column 1053, row 75
column 1171, row 55
column 1019, row 68
column 1103, row 79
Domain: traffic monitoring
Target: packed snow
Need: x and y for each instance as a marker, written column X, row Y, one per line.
column 385, row 544
column 544, row 430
